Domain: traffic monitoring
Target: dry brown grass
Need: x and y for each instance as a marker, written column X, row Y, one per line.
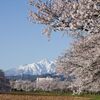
column 30, row 97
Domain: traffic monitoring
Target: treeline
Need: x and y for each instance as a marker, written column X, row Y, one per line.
column 4, row 83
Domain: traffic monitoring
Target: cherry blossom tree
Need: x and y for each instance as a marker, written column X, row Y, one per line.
column 79, row 19
column 64, row 15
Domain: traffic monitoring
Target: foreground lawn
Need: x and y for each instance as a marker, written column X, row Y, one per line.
column 30, row 97
column 46, row 96
column 42, row 96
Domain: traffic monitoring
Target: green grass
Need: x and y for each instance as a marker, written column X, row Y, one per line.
column 92, row 96
column 95, row 97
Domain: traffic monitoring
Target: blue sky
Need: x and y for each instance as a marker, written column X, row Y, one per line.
column 21, row 42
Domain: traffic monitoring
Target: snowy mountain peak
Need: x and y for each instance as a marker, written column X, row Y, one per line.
column 44, row 61
column 42, row 67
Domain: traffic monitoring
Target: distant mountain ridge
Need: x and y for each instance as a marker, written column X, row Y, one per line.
column 42, row 67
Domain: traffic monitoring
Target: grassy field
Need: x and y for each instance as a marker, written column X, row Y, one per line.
column 30, row 97
column 45, row 96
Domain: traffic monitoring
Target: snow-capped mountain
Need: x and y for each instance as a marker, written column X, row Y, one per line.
column 42, row 67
